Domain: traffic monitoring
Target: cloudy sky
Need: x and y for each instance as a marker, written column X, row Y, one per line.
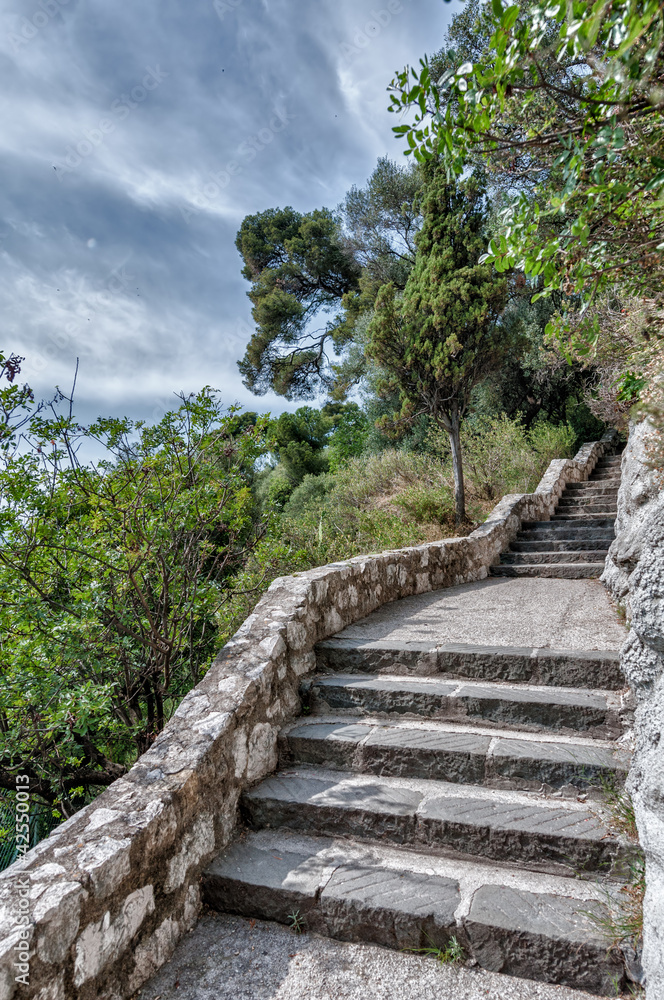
column 137, row 135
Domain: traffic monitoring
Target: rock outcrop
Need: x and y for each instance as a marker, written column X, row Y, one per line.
column 634, row 575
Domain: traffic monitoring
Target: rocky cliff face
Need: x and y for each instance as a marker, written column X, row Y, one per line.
column 634, row 575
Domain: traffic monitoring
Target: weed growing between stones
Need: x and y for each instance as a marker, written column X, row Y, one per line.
column 296, row 922
column 621, row 921
column 621, row 611
column 450, row 955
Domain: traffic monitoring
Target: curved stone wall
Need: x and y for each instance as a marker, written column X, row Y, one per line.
column 101, row 903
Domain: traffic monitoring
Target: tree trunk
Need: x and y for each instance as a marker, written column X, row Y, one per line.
column 457, row 465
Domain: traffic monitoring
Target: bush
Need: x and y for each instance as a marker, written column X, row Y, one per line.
column 500, row 456
column 111, row 580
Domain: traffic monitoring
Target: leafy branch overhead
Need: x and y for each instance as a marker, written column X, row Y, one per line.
column 564, row 98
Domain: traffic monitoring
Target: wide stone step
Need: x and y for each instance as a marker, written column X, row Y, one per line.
column 590, row 489
column 604, row 526
column 565, row 556
column 598, row 668
column 521, row 923
column 601, row 502
column 537, row 707
column 607, row 478
column 448, row 752
column 565, row 571
column 552, row 543
column 586, row 507
column 605, row 515
column 562, row 837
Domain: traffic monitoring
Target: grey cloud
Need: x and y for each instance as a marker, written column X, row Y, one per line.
column 124, row 256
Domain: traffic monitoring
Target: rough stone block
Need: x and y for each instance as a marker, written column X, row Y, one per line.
column 541, row 936
column 391, row 908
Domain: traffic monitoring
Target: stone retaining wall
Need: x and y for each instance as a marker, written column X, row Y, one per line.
column 634, row 574
column 101, row 904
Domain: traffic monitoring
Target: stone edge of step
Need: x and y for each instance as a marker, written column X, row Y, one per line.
column 340, row 897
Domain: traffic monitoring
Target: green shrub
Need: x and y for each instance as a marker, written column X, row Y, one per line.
column 311, row 490
column 501, row 456
column 428, row 505
column 550, row 441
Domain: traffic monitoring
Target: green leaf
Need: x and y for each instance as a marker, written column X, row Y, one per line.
column 509, row 17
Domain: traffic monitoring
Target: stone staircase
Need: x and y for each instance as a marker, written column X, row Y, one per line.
column 575, row 542
column 451, row 791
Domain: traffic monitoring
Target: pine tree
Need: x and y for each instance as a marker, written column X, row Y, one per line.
column 443, row 336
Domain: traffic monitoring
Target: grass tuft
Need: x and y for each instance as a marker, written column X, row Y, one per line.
column 451, row 954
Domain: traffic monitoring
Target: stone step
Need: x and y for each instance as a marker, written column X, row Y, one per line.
column 590, row 489
column 583, row 499
column 576, row 510
column 565, row 571
column 581, row 516
column 521, row 923
column 563, row 837
column 535, row 707
column 565, row 556
column 554, row 544
column 603, row 502
column 603, row 525
column 600, row 478
column 445, row 751
column 598, row 668
column 573, row 540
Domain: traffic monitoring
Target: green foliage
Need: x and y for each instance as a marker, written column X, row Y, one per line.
column 349, row 437
column 297, row 922
column 536, row 382
column 298, row 270
column 630, row 386
column 441, row 338
column 502, row 456
column 380, row 222
column 307, row 443
column 112, row 577
column 300, row 438
column 451, row 954
column 567, row 97
column 17, row 402
column 324, row 266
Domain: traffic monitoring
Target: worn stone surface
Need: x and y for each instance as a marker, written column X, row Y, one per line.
column 452, row 752
column 595, row 713
column 230, row 958
column 488, row 823
column 399, row 899
column 525, row 933
column 131, row 887
column 559, row 614
column 560, row 667
column 395, row 909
